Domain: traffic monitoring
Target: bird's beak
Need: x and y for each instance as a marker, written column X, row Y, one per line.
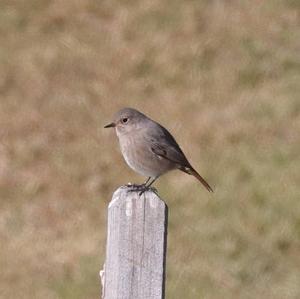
column 112, row 125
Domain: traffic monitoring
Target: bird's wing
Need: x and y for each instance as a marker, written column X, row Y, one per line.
column 163, row 145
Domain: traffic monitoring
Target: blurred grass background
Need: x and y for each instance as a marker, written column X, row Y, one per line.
column 223, row 76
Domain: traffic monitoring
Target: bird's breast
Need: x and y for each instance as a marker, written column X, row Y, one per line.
column 137, row 153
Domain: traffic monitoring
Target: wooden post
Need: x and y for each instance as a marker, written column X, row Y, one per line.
column 136, row 246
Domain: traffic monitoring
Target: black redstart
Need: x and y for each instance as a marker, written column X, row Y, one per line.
column 148, row 148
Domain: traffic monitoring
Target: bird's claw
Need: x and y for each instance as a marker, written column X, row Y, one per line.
column 135, row 187
column 141, row 188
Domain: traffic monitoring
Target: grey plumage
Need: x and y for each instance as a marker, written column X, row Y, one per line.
column 149, row 148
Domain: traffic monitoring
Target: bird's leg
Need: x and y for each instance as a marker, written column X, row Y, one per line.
column 149, row 178
column 143, row 187
column 151, row 182
column 147, row 187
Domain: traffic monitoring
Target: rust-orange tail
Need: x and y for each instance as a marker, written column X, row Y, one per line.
column 192, row 171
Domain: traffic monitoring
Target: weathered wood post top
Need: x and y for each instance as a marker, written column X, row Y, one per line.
column 136, row 246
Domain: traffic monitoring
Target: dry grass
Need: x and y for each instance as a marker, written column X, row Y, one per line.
column 222, row 76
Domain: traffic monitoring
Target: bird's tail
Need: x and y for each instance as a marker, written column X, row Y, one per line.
column 192, row 171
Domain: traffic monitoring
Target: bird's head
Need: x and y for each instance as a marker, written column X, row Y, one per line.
column 127, row 120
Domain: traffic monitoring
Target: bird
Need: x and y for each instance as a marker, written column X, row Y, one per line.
column 149, row 148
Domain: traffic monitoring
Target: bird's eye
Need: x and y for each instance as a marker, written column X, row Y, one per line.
column 124, row 120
